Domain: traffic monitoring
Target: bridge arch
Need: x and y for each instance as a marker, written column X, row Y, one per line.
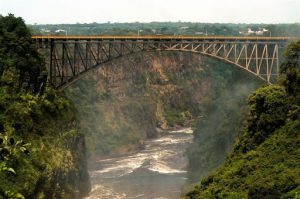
column 73, row 57
column 228, row 61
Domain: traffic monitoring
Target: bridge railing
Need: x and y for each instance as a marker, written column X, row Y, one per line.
column 159, row 37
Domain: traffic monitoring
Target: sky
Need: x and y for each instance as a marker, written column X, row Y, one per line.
column 101, row 11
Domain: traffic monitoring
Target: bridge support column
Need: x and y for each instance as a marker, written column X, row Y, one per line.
column 52, row 66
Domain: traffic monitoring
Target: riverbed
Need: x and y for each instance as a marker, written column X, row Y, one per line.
column 156, row 172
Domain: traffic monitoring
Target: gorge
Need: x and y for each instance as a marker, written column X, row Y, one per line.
column 128, row 101
column 146, row 125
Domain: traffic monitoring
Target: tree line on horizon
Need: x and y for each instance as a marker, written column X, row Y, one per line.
column 168, row 28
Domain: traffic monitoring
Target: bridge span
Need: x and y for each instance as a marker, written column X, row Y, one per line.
column 70, row 57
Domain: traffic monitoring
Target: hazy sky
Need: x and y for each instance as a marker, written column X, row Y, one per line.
column 86, row 11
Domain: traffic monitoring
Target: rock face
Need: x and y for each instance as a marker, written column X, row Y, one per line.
column 135, row 97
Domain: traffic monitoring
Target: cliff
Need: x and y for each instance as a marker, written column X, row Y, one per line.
column 139, row 96
column 264, row 162
column 136, row 97
column 42, row 154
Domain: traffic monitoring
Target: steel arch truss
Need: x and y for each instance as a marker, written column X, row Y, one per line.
column 71, row 59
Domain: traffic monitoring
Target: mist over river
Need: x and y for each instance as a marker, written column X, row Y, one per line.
column 158, row 171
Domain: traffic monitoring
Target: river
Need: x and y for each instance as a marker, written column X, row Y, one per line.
column 156, row 172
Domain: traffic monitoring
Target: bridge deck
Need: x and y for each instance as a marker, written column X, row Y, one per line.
column 70, row 57
column 161, row 37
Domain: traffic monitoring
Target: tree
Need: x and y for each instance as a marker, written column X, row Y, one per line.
column 290, row 70
column 19, row 56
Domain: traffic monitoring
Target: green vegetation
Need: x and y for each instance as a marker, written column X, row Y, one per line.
column 42, row 155
column 176, row 116
column 264, row 162
column 19, row 60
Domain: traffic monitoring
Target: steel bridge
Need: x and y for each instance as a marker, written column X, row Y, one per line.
column 70, row 57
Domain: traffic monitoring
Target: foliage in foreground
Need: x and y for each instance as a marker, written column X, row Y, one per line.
column 264, row 162
column 42, row 155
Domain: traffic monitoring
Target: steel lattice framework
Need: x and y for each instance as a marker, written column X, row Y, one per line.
column 70, row 57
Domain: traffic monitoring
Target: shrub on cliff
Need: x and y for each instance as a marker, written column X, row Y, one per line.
column 264, row 162
column 290, row 70
column 268, row 108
